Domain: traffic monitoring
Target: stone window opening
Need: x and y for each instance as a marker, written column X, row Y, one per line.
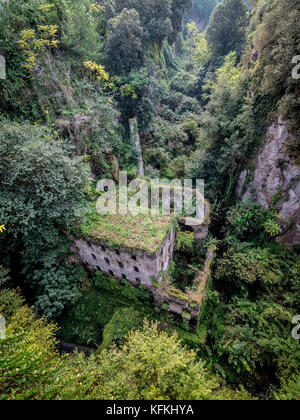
column 121, row 264
column 111, row 273
column 117, row 251
column 133, row 257
column 94, row 256
column 98, row 268
column 136, row 269
column 107, row 261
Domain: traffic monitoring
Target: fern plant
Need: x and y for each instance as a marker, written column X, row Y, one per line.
column 272, row 228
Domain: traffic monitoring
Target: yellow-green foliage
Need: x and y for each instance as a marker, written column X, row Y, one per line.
column 154, row 365
column 28, row 357
column 31, row 368
column 117, row 329
column 34, row 41
column 151, row 365
column 10, row 301
column 185, row 241
column 290, row 390
column 196, row 46
column 272, row 227
column 227, row 75
column 112, row 83
column 97, row 9
column 101, row 75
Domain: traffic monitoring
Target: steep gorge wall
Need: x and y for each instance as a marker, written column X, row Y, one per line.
column 276, row 180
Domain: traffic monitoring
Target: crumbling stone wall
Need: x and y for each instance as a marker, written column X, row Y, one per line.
column 185, row 307
column 137, row 266
column 179, row 306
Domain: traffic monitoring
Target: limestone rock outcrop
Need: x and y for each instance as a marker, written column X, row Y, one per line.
column 276, row 180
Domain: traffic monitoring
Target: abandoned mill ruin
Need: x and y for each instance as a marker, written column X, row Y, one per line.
column 139, row 249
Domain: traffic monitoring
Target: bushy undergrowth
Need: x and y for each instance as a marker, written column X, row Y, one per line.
column 77, row 71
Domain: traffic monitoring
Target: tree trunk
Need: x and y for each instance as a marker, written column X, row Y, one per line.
column 134, row 132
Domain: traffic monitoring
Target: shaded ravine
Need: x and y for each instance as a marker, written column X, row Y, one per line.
column 65, row 347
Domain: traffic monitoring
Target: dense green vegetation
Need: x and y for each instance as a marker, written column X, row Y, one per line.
column 205, row 80
column 151, row 365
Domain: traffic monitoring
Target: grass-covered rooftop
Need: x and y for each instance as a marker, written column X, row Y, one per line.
column 144, row 232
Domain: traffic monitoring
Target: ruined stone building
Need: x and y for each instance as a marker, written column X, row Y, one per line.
column 138, row 266
column 139, row 249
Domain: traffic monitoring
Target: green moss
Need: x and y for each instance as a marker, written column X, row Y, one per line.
column 192, row 339
column 144, row 232
column 125, row 293
column 155, row 283
column 86, row 321
column 122, row 322
column 178, row 294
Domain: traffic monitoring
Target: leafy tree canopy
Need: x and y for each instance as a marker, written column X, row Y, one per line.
column 226, row 28
column 42, row 185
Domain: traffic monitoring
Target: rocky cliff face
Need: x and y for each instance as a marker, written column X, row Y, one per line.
column 275, row 180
